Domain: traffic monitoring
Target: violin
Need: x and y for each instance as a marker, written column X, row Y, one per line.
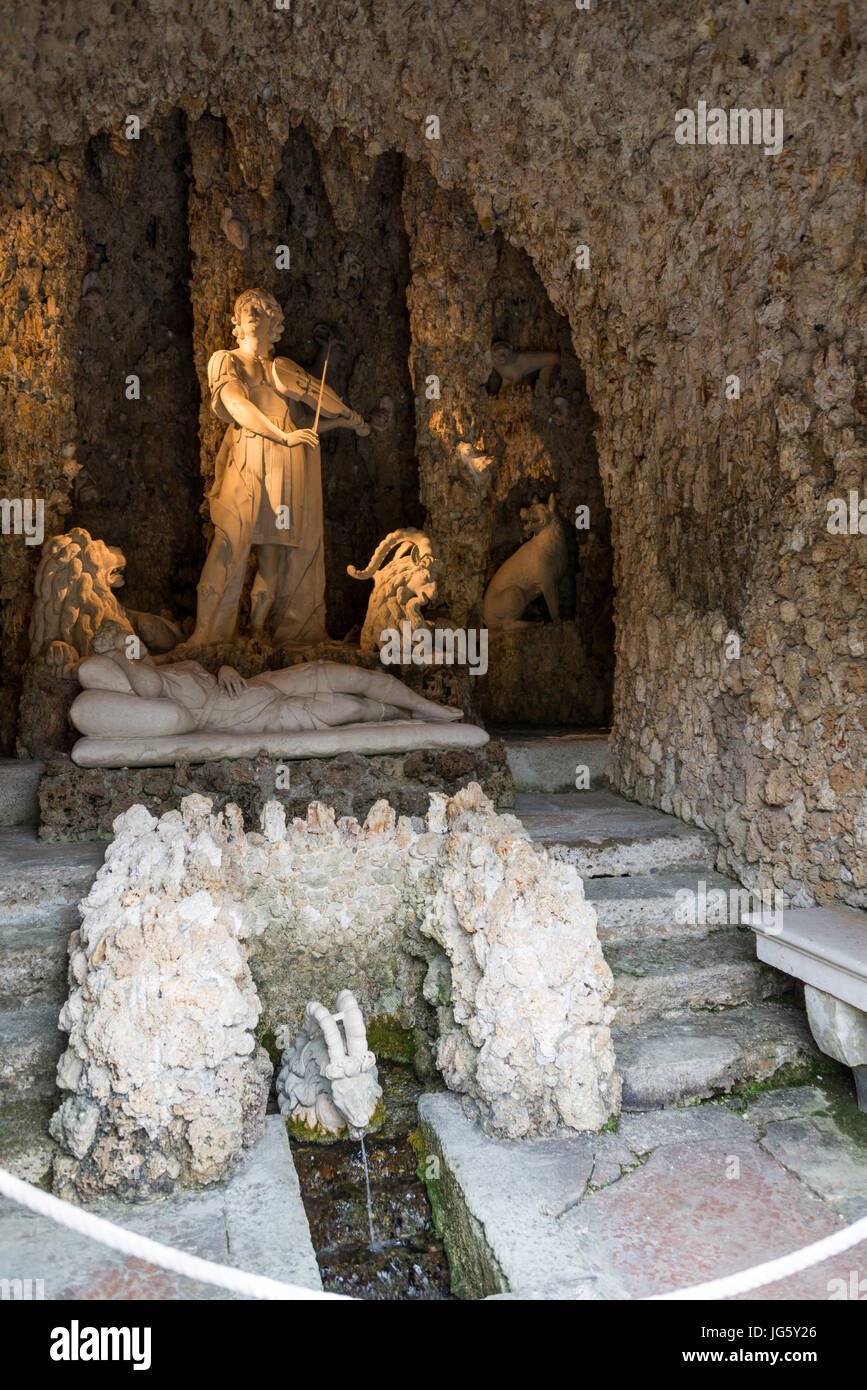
column 291, row 380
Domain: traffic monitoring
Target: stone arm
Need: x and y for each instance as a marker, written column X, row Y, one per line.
column 144, row 678
column 242, row 410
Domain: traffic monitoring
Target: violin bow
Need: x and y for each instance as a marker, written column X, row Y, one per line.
column 322, row 387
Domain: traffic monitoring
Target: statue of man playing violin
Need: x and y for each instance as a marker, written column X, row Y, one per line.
column 267, row 491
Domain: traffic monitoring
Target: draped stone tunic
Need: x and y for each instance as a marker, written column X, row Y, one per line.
column 256, row 477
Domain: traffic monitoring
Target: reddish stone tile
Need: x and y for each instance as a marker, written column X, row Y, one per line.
column 679, row 1220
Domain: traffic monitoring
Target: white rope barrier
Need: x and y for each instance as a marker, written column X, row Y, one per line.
column 152, row 1251
column 260, row 1286
column 773, row 1270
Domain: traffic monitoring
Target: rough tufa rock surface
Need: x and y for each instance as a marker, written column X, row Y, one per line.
column 526, row 1035
column 165, row 1082
column 456, row 926
column 464, row 909
column 78, row 803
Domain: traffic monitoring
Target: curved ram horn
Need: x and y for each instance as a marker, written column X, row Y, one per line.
column 407, row 533
column 318, row 1014
column 353, row 1023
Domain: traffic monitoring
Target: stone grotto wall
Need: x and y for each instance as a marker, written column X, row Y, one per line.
column 139, row 486
column 557, row 130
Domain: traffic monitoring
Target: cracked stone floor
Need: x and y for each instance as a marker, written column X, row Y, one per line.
column 671, row 1197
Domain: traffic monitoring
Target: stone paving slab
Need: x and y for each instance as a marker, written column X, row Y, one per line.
column 604, row 834
column 821, row 1137
column 255, row 1221
column 693, row 1195
column 693, row 1213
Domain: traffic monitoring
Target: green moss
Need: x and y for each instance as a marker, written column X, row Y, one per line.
column 791, row 1074
column 300, row 1130
column 416, row 1143
column 843, row 1105
column 305, row 1134
column 388, row 1040
column 269, row 1042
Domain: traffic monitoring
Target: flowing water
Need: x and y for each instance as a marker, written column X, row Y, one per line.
column 352, row 1193
column 367, row 1190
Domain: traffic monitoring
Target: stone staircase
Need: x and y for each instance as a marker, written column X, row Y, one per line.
column 697, row 1012
column 40, row 888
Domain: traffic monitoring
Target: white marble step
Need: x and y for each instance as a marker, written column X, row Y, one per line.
column 602, row 834
column 655, row 978
column 675, row 1061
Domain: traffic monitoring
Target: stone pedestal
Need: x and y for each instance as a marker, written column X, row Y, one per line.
column 79, row 803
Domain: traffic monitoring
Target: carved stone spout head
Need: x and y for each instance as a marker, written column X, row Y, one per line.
column 327, row 1081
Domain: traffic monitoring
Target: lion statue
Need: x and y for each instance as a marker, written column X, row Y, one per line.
column 75, row 585
column 401, row 588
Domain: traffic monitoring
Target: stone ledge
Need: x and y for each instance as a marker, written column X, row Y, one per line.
column 826, row 947
column 79, row 803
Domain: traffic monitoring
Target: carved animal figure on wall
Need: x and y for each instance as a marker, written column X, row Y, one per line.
column 536, row 568
column 328, row 1079
column 479, row 466
column 75, row 585
column 401, row 588
column 513, row 366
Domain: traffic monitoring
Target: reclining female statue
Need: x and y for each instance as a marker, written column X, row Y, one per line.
column 134, row 698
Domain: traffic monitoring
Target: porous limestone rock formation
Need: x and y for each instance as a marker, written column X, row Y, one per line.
column 457, row 924
column 165, row 1082
column 463, row 909
column 525, row 1034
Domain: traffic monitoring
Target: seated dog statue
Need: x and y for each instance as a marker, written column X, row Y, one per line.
column 536, row 568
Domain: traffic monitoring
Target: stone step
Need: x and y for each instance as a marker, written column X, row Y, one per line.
column 35, row 875
column 33, row 957
column 30, row 1045
column 676, row 1061
column 26, row 1147
column 653, row 905
column 602, row 834
column 658, row 978
column 547, row 760
column 19, row 791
